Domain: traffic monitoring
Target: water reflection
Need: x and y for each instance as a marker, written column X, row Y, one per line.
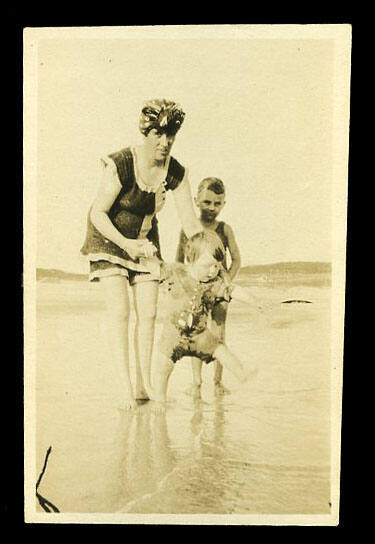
column 147, row 458
column 197, row 458
column 185, row 472
column 262, row 450
column 208, row 422
column 210, row 478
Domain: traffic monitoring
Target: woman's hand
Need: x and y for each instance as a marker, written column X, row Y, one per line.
column 152, row 265
column 139, row 248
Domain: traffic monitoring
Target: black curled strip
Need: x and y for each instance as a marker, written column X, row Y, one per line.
column 44, row 503
column 296, row 302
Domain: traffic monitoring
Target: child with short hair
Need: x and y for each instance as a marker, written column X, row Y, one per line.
column 194, row 288
column 210, row 200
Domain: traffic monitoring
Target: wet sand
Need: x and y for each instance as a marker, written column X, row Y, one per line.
column 263, row 449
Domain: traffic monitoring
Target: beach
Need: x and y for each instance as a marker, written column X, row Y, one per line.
column 265, row 448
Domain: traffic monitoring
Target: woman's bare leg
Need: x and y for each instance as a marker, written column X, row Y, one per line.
column 145, row 300
column 117, row 323
column 140, row 390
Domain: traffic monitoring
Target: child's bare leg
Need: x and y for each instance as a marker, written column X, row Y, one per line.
column 230, row 362
column 220, row 388
column 161, row 377
column 196, row 365
column 116, row 320
column 218, row 328
column 218, row 373
column 145, row 299
column 195, row 390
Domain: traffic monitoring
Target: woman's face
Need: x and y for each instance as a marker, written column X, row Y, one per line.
column 159, row 144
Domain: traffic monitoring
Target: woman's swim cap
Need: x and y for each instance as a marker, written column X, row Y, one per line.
column 163, row 115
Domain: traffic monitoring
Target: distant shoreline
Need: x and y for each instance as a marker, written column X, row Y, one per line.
column 263, row 273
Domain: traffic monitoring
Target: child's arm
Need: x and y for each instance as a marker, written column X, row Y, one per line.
column 234, row 252
column 227, row 290
column 244, row 295
column 223, row 287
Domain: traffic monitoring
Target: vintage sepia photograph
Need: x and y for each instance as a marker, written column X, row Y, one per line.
column 185, row 208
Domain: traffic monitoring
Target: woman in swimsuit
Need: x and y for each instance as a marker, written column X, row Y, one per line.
column 122, row 234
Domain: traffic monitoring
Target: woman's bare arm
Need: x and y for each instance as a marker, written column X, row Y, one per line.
column 234, row 252
column 108, row 191
column 184, row 204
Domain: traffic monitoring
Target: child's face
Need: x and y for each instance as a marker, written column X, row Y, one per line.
column 206, row 267
column 210, row 204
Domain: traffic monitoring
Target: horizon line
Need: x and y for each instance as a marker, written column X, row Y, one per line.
column 243, row 266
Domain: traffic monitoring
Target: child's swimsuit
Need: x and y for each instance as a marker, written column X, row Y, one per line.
column 185, row 331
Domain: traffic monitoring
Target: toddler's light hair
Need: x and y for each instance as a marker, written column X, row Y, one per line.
column 203, row 241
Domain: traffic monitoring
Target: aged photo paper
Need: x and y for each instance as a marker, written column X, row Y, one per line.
column 121, row 127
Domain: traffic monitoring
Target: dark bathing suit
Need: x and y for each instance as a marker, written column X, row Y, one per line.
column 133, row 213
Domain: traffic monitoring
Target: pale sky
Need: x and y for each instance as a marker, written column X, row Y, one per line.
column 258, row 116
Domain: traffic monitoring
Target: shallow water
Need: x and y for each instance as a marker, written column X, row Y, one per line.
column 263, row 449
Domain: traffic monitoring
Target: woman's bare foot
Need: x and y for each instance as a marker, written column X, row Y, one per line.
column 220, row 389
column 194, row 391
